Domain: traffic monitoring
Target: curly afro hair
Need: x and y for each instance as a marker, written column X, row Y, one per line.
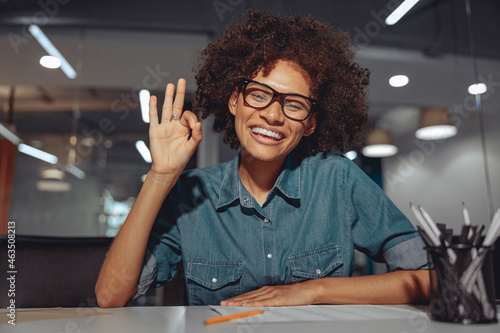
column 257, row 43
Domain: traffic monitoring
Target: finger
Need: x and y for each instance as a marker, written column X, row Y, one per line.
column 258, row 297
column 188, row 119
column 179, row 97
column 246, row 297
column 166, row 113
column 261, row 303
column 263, row 300
column 153, row 111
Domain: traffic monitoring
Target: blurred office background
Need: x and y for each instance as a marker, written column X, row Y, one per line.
column 92, row 122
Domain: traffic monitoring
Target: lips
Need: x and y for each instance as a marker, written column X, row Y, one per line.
column 267, row 133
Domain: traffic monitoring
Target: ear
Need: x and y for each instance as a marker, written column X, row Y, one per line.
column 233, row 101
column 311, row 126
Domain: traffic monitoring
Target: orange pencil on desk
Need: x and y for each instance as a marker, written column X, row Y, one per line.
column 221, row 319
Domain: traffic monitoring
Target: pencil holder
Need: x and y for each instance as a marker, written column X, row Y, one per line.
column 462, row 284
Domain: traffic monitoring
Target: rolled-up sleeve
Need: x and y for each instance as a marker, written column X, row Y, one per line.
column 407, row 255
column 379, row 228
column 148, row 274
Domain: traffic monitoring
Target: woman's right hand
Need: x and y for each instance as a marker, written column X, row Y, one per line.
column 173, row 141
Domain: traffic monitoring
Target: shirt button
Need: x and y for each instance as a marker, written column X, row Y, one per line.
column 266, row 220
column 270, row 255
column 214, row 280
column 318, row 271
column 245, row 200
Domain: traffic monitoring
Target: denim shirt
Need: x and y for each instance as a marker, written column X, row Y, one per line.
column 319, row 210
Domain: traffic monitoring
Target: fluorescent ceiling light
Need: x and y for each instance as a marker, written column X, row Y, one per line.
column 144, row 98
column 379, row 144
column 52, row 174
column 351, row 155
column 399, row 12
column 75, row 171
column 143, row 150
column 477, row 89
column 382, row 150
column 50, row 62
column 399, row 81
column 435, row 124
column 438, row 132
column 53, row 186
column 9, row 135
column 37, row 153
column 52, row 50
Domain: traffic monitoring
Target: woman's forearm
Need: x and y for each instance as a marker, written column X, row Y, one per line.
column 397, row 287
column 119, row 275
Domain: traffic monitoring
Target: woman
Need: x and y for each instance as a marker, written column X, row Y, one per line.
column 278, row 225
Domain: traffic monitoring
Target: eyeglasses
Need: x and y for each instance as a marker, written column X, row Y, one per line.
column 260, row 96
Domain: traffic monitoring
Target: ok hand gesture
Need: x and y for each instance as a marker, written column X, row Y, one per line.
column 174, row 140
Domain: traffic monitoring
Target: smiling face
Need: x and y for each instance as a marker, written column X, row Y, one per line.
column 266, row 134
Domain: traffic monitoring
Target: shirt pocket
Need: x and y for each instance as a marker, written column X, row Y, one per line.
column 325, row 262
column 211, row 282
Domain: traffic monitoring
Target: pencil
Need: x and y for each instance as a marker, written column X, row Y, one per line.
column 424, row 224
column 220, row 319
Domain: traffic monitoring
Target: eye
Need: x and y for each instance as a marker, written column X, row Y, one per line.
column 295, row 106
column 259, row 95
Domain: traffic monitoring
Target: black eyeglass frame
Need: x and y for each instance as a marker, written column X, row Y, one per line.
column 277, row 94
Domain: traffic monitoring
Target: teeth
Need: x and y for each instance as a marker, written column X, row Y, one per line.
column 265, row 132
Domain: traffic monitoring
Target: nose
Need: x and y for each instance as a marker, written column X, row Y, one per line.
column 273, row 113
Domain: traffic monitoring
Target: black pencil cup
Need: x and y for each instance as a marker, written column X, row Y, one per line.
column 462, row 284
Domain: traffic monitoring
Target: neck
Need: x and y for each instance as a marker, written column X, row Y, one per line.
column 257, row 176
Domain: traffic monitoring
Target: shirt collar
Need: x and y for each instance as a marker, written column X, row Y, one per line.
column 231, row 188
column 289, row 179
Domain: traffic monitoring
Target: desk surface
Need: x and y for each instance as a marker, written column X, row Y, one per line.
column 348, row 318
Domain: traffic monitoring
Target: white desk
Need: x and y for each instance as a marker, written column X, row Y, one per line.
column 350, row 318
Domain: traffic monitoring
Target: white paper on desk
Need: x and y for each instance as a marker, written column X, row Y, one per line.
column 318, row 313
